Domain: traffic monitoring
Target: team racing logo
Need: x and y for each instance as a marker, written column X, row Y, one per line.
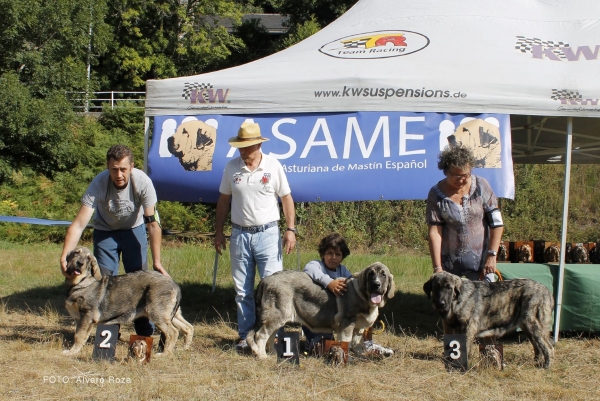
column 380, row 44
column 237, row 178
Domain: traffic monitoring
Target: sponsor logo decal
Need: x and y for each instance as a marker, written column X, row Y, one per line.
column 556, row 50
column 572, row 100
column 265, row 178
column 204, row 94
column 379, row 44
column 237, row 178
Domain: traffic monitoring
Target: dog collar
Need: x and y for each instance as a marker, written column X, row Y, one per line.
column 360, row 294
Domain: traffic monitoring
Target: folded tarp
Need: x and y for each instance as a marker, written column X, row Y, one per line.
column 581, row 291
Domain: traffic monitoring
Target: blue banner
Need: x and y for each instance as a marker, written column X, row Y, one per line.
column 331, row 156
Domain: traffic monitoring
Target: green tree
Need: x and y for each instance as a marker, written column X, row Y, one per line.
column 299, row 32
column 300, row 11
column 166, row 38
column 47, row 42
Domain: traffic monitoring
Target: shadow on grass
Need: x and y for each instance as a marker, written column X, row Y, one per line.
column 37, row 299
column 198, row 303
column 411, row 314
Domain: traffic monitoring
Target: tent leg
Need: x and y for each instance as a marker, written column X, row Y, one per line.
column 563, row 235
column 146, row 141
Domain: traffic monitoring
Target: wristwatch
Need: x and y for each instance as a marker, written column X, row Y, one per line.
column 494, row 253
column 295, row 231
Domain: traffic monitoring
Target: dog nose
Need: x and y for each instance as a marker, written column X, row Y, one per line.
column 441, row 303
column 377, row 284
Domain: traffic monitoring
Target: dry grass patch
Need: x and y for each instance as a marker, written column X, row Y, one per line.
column 35, row 328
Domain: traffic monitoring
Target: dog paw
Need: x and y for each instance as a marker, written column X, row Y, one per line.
column 70, row 352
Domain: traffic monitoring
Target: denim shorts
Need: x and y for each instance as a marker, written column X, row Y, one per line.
column 131, row 245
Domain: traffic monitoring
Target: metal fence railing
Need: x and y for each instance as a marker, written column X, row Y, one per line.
column 98, row 101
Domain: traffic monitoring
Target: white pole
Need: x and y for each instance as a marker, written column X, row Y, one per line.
column 563, row 235
column 146, row 140
column 89, row 66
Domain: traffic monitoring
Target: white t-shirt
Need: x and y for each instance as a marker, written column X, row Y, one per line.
column 254, row 194
column 119, row 209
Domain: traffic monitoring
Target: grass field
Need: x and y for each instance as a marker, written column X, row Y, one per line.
column 35, row 328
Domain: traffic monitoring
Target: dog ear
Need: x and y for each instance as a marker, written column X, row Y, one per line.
column 96, row 272
column 362, row 279
column 427, row 288
column 391, row 290
column 457, row 286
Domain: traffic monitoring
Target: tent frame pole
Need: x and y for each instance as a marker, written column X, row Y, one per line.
column 146, row 142
column 563, row 235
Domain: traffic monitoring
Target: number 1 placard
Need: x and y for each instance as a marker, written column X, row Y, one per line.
column 106, row 342
column 288, row 343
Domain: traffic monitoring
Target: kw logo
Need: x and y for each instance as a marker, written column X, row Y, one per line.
column 556, row 51
column 204, row 93
column 572, row 97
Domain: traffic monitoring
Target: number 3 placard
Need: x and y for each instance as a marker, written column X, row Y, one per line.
column 106, row 342
column 455, row 352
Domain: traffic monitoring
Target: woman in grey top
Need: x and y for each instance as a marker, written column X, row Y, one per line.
column 465, row 224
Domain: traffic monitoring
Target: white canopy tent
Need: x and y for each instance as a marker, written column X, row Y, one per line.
column 536, row 60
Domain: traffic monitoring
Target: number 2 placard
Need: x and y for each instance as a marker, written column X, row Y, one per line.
column 106, row 342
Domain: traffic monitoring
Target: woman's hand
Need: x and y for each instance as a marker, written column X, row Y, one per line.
column 490, row 264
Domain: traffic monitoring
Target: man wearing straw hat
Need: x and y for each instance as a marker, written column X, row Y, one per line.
column 252, row 183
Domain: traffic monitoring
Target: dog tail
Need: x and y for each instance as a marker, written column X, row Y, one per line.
column 181, row 324
column 258, row 305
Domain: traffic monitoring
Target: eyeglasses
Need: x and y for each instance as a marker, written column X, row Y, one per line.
column 459, row 176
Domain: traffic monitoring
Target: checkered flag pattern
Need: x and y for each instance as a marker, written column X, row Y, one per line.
column 190, row 86
column 524, row 45
column 355, row 43
column 558, row 94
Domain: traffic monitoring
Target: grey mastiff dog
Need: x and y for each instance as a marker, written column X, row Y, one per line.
column 291, row 296
column 93, row 299
column 482, row 309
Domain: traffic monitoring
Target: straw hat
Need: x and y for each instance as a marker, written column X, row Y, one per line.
column 248, row 135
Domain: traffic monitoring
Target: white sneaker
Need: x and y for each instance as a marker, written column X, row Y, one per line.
column 374, row 349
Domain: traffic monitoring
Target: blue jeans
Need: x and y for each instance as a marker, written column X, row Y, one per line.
column 248, row 251
column 132, row 245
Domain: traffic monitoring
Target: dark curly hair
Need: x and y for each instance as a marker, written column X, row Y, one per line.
column 334, row 241
column 118, row 152
column 456, row 156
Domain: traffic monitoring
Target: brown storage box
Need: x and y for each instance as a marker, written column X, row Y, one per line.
column 522, row 251
column 595, row 252
column 547, row 251
column 579, row 252
column 503, row 252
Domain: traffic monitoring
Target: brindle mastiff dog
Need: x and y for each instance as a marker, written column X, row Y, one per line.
column 93, row 299
column 291, row 296
column 482, row 309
